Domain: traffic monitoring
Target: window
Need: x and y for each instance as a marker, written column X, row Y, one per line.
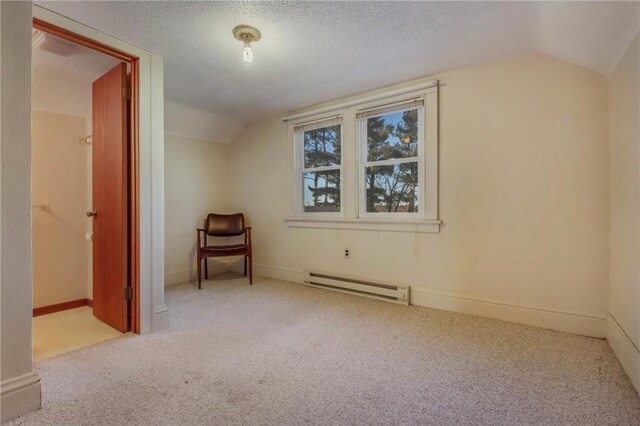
column 320, row 171
column 391, row 145
column 372, row 165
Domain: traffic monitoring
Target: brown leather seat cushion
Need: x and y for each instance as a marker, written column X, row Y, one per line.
column 230, row 250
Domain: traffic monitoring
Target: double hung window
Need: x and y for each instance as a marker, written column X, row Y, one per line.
column 320, row 172
column 391, row 142
column 369, row 165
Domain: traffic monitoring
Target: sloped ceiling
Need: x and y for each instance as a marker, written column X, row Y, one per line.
column 195, row 123
column 317, row 51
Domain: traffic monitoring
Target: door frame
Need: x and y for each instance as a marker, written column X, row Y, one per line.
column 134, row 151
column 153, row 312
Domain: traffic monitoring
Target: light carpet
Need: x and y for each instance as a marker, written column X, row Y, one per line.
column 281, row 353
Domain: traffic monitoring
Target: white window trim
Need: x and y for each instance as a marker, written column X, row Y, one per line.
column 300, row 170
column 398, row 225
column 350, row 216
column 431, row 173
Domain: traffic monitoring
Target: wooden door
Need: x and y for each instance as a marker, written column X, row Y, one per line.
column 110, row 199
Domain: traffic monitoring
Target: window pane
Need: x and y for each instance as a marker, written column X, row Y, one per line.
column 322, row 147
column 393, row 135
column 322, row 191
column 392, row 188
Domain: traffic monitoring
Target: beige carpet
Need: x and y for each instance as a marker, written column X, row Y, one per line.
column 66, row 331
column 280, row 353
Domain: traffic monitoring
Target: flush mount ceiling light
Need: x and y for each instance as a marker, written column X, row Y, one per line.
column 247, row 34
column 53, row 44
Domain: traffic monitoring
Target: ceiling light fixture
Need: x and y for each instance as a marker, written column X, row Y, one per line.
column 247, row 34
column 52, row 44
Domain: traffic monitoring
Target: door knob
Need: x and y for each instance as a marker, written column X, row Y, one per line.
column 93, row 213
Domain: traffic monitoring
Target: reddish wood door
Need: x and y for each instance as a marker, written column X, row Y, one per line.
column 110, row 195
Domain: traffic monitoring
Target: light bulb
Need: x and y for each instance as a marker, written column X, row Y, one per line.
column 247, row 52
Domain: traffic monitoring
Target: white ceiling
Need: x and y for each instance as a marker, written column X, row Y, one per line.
column 317, row 51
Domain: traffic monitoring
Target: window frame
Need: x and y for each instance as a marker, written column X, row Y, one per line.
column 351, row 169
column 300, row 170
column 363, row 164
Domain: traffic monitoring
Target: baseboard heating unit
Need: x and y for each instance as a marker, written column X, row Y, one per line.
column 359, row 287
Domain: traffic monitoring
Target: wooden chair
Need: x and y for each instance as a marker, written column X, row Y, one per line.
column 224, row 225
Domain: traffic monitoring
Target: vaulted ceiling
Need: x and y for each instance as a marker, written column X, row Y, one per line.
column 317, row 51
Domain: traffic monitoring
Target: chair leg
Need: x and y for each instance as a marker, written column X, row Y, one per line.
column 199, row 272
column 250, row 270
column 245, row 265
column 206, row 268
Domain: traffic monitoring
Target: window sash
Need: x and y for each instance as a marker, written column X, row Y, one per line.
column 391, row 161
column 320, row 168
column 361, row 138
column 385, row 111
column 298, row 136
column 301, row 129
column 302, row 186
column 420, row 193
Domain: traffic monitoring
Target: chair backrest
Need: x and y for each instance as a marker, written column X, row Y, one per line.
column 224, row 225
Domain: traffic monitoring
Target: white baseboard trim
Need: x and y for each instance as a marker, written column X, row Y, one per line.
column 19, row 395
column 174, row 278
column 627, row 353
column 279, row 273
column 587, row 324
column 160, row 318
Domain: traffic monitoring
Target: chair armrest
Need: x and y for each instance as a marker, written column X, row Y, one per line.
column 247, row 237
column 199, row 243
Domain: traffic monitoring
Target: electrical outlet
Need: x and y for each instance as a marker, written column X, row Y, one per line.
column 347, row 253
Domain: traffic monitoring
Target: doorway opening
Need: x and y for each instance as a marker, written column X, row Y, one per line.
column 84, row 191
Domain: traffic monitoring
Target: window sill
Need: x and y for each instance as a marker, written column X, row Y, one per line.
column 398, row 225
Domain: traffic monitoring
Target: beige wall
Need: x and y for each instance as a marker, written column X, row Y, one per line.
column 20, row 385
column 624, row 273
column 524, row 181
column 196, row 183
column 59, row 180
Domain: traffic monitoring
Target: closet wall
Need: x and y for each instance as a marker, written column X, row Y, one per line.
column 59, row 179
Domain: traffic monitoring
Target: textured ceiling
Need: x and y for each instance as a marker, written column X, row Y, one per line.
column 62, row 85
column 317, row 51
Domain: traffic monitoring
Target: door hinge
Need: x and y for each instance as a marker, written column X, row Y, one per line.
column 128, row 293
column 126, row 92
